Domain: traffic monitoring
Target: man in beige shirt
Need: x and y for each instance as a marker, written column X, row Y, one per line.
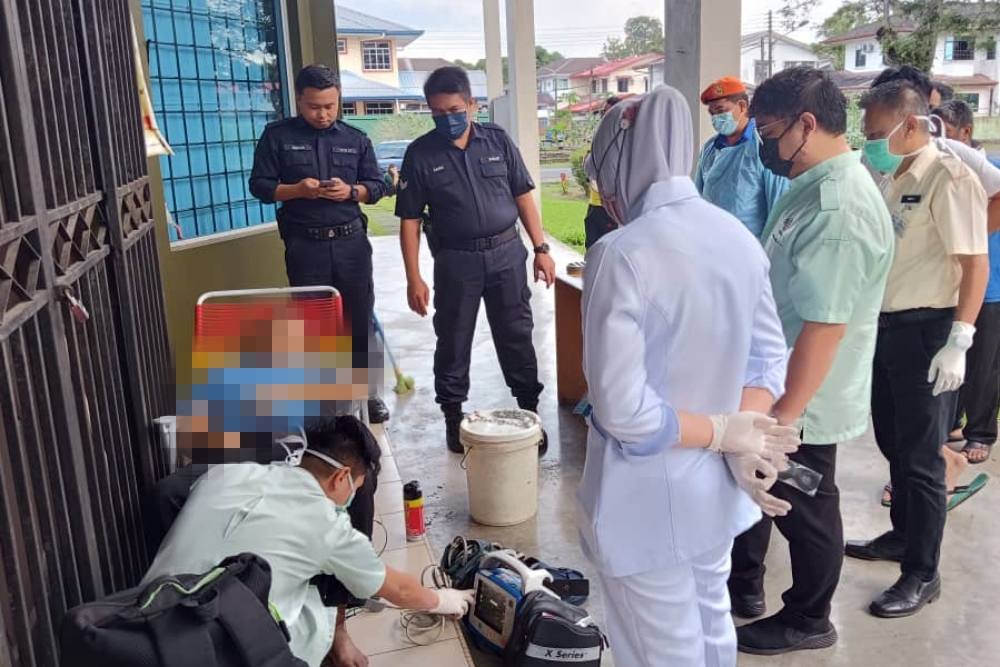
column 932, row 298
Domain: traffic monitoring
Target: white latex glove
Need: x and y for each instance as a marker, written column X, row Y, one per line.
column 744, row 468
column 947, row 370
column 779, row 442
column 749, row 433
column 452, row 602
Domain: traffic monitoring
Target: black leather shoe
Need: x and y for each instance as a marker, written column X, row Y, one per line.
column 377, row 411
column 748, row 606
column 884, row 547
column 772, row 636
column 906, row 597
column 453, row 429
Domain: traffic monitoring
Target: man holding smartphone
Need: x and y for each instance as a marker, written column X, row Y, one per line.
column 321, row 170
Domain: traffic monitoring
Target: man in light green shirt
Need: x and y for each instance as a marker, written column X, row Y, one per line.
column 295, row 517
column 830, row 241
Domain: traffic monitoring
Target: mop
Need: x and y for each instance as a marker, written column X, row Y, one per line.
column 404, row 383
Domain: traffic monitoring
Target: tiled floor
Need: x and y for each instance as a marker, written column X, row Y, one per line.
column 380, row 636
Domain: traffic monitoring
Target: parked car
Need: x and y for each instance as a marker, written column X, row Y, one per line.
column 391, row 153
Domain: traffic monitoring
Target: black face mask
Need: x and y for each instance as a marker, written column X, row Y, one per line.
column 770, row 155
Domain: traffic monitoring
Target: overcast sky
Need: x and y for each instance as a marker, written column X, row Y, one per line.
column 455, row 29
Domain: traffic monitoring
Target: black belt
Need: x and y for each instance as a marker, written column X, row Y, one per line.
column 325, row 233
column 484, row 243
column 902, row 318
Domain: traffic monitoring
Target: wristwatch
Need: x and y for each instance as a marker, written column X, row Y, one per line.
column 355, row 193
column 542, row 249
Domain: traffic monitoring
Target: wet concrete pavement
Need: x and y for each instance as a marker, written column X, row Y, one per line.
column 958, row 630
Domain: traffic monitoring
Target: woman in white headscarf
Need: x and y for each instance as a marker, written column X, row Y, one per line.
column 684, row 355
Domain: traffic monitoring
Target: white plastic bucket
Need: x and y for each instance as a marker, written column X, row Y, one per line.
column 502, row 465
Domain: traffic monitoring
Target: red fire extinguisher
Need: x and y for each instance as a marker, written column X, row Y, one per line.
column 413, row 504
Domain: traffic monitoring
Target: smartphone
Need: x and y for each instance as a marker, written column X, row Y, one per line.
column 328, row 183
column 800, row 477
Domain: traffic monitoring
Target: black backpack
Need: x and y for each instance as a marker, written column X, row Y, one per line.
column 549, row 631
column 218, row 619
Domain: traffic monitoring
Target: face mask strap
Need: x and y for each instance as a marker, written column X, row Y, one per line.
column 294, row 457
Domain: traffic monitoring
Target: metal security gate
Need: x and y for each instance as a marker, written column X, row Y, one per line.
column 76, row 397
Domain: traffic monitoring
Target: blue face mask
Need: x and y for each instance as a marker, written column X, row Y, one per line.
column 452, row 125
column 725, row 124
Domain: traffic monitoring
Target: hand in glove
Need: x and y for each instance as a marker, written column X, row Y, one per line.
column 947, row 370
column 750, row 433
column 452, row 602
column 744, row 468
column 779, row 442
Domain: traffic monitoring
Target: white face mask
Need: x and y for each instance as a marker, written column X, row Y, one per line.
column 294, row 459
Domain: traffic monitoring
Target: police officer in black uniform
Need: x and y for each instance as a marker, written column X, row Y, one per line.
column 321, row 169
column 467, row 184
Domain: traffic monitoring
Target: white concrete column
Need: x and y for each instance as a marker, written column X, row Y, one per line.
column 702, row 45
column 523, row 85
column 494, row 57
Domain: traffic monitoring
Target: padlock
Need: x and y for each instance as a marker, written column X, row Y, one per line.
column 79, row 311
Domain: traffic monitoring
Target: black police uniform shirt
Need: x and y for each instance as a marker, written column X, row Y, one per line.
column 291, row 149
column 468, row 193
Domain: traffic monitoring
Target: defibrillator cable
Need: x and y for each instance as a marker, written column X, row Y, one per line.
column 421, row 628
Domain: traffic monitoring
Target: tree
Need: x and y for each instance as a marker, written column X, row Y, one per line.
column 544, row 57
column 797, row 14
column 848, row 16
column 933, row 18
column 930, row 19
column 643, row 35
column 482, row 65
column 615, row 49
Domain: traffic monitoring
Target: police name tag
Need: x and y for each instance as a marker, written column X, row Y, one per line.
column 911, row 199
column 297, row 147
column 562, row 654
column 348, row 151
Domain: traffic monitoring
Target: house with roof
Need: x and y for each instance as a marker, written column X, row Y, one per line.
column 378, row 81
column 624, row 77
column 762, row 55
column 757, row 52
column 967, row 63
column 555, row 83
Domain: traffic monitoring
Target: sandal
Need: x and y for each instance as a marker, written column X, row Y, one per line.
column 960, row 494
column 973, row 446
column 887, row 495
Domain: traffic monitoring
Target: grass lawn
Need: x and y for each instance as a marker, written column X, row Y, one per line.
column 383, row 212
column 562, row 215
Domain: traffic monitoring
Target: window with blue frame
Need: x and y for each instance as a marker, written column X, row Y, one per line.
column 216, row 79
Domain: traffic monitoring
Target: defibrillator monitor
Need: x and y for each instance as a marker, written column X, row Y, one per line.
column 497, row 596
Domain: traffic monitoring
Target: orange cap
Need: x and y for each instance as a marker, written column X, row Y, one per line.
column 724, row 87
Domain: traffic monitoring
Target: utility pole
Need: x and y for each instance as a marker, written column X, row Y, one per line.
column 885, row 13
column 770, row 43
column 757, row 79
